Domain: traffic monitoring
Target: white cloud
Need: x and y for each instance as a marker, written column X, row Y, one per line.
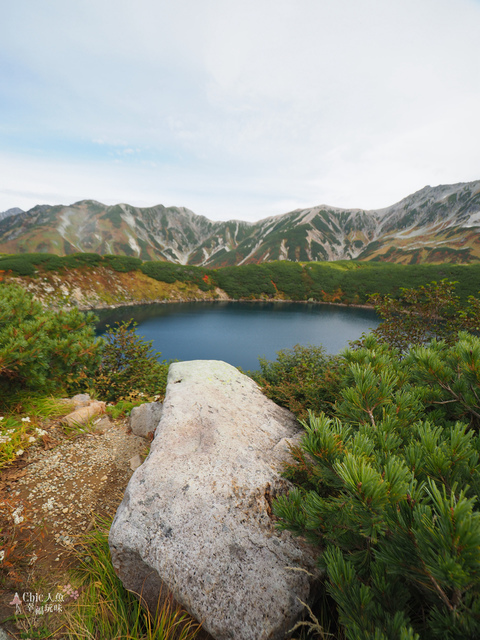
column 238, row 107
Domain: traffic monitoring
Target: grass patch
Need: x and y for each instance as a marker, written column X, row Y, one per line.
column 40, row 405
column 105, row 609
column 46, row 407
column 79, row 428
column 16, row 436
column 21, row 427
column 123, row 408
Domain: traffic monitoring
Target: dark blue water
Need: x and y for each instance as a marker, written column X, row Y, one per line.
column 240, row 332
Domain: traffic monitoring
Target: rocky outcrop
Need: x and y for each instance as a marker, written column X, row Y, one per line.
column 196, row 516
column 10, row 212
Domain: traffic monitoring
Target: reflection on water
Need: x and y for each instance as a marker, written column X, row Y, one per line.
column 239, row 332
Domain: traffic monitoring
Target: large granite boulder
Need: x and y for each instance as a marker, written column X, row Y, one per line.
column 196, row 516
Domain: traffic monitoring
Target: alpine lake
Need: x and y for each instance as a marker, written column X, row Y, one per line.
column 241, row 332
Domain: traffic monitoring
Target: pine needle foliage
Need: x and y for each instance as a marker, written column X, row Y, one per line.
column 387, row 487
column 129, row 367
column 40, row 349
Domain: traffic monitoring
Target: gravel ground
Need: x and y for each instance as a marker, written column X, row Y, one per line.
column 65, row 486
column 57, row 489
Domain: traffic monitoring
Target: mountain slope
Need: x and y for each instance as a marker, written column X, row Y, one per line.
column 435, row 224
column 10, row 212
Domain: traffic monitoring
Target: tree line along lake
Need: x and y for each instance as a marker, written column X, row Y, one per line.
column 241, row 332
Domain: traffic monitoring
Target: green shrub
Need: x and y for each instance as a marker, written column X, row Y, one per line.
column 170, row 272
column 418, row 315
column 18, row 265
column 245, row 281
column 129, row 368
column 301, row 379
column 48, row 262
column 81, row 260
column 388, row 488
column 27, row 264
column 122, row 263
column 162, row 271
column 449, row 374
column 43, row 350
column 123, row 408
column 290, row 278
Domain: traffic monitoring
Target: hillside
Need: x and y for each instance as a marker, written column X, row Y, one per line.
column 87, row 280
column 436, row 225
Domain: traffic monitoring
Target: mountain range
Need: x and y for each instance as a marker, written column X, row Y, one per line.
column 435, row 224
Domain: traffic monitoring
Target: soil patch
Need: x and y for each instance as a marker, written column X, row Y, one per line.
column 57, row 489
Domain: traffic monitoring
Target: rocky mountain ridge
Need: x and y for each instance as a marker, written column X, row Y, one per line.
column 435, row 224
column 10, row 212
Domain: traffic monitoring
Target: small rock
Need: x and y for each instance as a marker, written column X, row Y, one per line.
column 81, row 400
column 135, row 462
column 83, row 415
column 145, row 418
column 101, row 425
column 4, row 635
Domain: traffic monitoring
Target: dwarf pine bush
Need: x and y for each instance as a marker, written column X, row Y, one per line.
column 41, row 349
column 418, row 315
column 388, row 486
column 301, row 379
column 129, row 368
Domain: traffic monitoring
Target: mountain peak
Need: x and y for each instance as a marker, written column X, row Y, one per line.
column 10, row 212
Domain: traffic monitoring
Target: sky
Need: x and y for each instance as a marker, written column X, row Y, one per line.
column 237, row 108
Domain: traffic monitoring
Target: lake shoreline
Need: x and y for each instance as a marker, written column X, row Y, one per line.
column 138, row 303
column 102, row 290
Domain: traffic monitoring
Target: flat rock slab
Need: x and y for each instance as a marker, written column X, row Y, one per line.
column 196, row 516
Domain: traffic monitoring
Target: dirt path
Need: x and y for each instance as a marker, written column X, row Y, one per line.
column 57, row 489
